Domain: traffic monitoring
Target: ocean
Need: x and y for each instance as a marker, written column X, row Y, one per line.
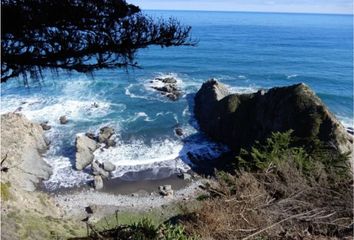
column 246, row 51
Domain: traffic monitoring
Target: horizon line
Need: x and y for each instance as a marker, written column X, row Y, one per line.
column 249, row 11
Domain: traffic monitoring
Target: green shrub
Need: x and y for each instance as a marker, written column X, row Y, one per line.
column 174, row 232
column 307, row 155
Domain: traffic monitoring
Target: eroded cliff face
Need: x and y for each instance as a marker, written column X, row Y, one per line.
column 22, row 143
column 25, row 212
column 239, row 120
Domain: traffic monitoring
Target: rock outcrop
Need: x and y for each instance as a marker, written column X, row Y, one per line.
column 106, row 136
column 22, row 144
column 167, row 86
column 85, row 147
column 63, row 119
column 239, row 120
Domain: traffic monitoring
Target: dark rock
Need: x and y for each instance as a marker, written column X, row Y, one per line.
column 179, row 131
column 350, row 130
column 63, row 120
column 169, row 89
column 239, row 120
column 89, row 210
column 45, row 126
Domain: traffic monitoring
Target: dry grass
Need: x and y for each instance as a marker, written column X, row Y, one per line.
column 278, row 203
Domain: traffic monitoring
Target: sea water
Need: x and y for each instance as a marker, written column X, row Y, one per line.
column 246, row 51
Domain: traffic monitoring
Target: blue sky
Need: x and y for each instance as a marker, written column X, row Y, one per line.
column 307, row 6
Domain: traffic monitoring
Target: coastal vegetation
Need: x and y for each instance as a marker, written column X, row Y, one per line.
column 278, row 190
column 285, row 166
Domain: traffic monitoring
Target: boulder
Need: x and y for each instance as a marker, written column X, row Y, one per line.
column 166, row 190
column 110, row 143
column 97, row 170
column 179, row 132
column 84, row 151
column 169, row 87
column 45, row 126
column 108, row 166
column 98, row 182
column 22, row 146
column 239, row 120
column 63, row 120
column 105, row 134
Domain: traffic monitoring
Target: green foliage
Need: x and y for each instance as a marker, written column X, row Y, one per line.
column 281, row 147
column 144, row 229
column 203, row 197
column 174, row 232
column 276, row 149
column 5, row 191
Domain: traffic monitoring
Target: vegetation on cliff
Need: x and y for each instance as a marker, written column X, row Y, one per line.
column 278, row 190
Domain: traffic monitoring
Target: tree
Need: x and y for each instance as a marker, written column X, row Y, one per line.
column 81, row 35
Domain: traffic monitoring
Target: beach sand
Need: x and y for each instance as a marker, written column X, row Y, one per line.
column 123, row 195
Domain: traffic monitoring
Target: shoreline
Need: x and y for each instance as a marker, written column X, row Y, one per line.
column 125, row 197
column 138, row 195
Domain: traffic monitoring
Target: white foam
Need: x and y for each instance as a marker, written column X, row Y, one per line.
column 50, row 108
column 346, row 121
column 291, row 76
column 243, row 90
column 63, row 174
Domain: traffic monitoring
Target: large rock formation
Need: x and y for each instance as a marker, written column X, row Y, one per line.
column 85, row 147
column 22, row 143
column 238, row 120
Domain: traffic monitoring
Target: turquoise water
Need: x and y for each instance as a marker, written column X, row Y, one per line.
column 246, row 51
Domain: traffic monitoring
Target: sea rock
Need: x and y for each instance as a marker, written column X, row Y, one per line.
column 108, row 166
column 97, row 170
column 45, row 126
column 22, row 143
column 239, row 120
column 169, row 87
column 91, row 136
column 110, row 142
column 63, row 120
column 98, row 182
column 105, row 134
column 84, row 151
column 179, row 131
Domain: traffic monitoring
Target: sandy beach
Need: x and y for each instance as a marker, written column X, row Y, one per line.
column 122, row 195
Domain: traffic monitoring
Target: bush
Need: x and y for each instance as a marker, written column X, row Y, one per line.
column 141, row 230
column 308, row 155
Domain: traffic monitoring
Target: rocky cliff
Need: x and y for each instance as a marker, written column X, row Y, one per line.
column 22, row 143
column 239, row 120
